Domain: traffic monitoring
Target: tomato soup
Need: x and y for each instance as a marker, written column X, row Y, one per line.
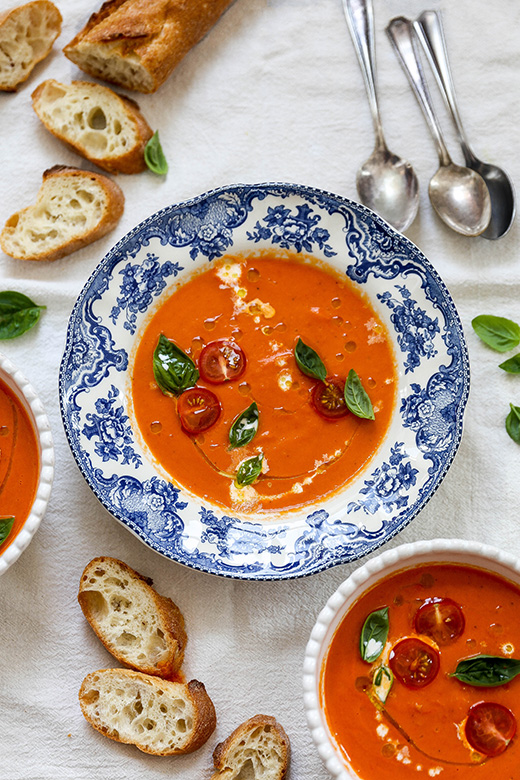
column 403, row 714
column 260, row 308
column 19, row 462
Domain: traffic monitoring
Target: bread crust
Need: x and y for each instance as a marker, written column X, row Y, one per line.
column 132, row 159
column 54, row 20
column 223, row 759
column 193, row 693
column 169, row 617
column 146, row 39
column 112, row 212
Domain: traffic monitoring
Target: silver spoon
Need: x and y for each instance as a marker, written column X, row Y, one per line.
column 385, row 183
column 431, row 35
column 459, row 195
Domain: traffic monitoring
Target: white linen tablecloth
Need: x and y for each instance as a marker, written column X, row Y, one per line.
column 273, row 93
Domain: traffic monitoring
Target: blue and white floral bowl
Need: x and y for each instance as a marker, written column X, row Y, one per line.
column 145, row 266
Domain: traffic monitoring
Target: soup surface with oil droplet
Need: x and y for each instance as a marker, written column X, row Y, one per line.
column 266, row 304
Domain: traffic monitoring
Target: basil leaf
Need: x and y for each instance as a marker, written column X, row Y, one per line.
column 18, row 314
column 309, row 361
column 512, row 366
column 513, row 423
column 154, row 156
column 356, row 397
column 498, row 333
column 486, row 671
column 382, row 682
column 244, row 427
column 173, row 370
column 6, row 524
column 249, row 470
column 374, row 635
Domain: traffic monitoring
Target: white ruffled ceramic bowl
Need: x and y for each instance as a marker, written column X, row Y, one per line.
column 15, row 380
column 405, row 556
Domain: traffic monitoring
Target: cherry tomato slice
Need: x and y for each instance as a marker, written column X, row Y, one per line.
column 440, row 619
column 490, row 727
column 221, row 361
column 198, row 409
column 328, row 398
column 414, row 663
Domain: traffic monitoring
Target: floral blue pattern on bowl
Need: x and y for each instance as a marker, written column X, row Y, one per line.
column 145, row 265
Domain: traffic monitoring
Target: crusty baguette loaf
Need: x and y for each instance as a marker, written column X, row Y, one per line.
column 73, row 208
column 138, row 626
column 258, row 749
column 105, row 128
column 138, row 43
column 158, row 716
column 27, row 33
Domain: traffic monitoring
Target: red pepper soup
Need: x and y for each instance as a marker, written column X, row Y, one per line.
column 245, row 379
column 19, row 465
column 420, row 677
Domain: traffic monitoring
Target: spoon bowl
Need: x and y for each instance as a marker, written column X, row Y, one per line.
column 460, row 198
column 431, row 35
column 385, row 183
column 388, row 185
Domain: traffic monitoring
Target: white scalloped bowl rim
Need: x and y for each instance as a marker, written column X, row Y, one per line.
column 402, row 557
column 14, row 378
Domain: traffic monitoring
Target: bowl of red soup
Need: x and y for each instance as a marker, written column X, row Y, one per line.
column 26, row 463
column 264, row 381
column 413, row 666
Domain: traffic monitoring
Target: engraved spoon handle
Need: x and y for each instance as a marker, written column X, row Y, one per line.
column 431, row 35
column 401, row 33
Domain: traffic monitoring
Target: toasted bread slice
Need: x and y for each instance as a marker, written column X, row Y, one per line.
column 258, row 749
column 105, row 128
column 138, row 626
column 72, row 209
column 27, row 33
column 138, row 43
column 158, row 716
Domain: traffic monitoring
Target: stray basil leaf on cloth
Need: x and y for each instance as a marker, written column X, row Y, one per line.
column 154, row 156
column 498, row 333
column 513, row 423
column 18, row 314
column 512, row 365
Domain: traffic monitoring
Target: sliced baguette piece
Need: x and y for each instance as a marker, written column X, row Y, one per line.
column 105, row 128
column 258, row 749
column 73, row 208
column 27, row 33
column 161, row 717
column 138, row 43
column 138, row 626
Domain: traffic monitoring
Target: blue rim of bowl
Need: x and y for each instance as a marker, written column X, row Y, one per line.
column 337, row 204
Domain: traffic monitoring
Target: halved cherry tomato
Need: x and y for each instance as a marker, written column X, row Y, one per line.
column 414, row 662
column 198, row 409
column 221, row 361
column 328, row 398
column 490, row 727
column 440, row 619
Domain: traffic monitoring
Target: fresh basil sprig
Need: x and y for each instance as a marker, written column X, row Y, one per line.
column 382, row 682
column 18, row 314
column 513, row 423
column 498, row 333
column 356, row 397
column 309, row 361
column 244, row 427
column 487, row 671
column 173, row 370
column 6, row 524
column 249, row 470
column 512, row 365
column 154, row 156
column 374, row 635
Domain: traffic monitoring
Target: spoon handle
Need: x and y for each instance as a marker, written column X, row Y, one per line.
column 431, row 35
column 360, row 20
column 401, row 33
